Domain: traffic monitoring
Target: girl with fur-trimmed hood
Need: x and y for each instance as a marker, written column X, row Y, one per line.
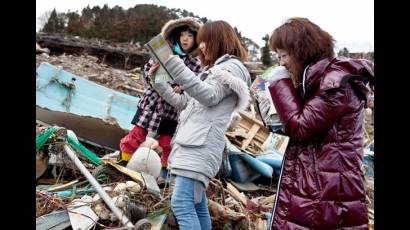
column 154, row 113
column 207, row 105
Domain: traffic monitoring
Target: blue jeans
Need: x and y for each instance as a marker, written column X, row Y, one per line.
column 190, row 205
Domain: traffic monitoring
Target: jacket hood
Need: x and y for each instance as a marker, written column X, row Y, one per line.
column 193, row 23
column 337, row 72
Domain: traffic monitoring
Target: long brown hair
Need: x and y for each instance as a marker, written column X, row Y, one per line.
column 220, row 38
column 305, row 43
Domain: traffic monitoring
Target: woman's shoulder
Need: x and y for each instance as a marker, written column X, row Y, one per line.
column 234, row 66
column 340, row 69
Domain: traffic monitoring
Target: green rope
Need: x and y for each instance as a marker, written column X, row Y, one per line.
column 42, row 138
column 92, row 157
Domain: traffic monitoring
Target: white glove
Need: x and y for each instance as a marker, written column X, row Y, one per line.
column 278, row 73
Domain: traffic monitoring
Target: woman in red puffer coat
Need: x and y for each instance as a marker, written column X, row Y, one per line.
column 320, row 101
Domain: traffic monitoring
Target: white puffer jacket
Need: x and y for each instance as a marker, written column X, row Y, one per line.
column 207, row 106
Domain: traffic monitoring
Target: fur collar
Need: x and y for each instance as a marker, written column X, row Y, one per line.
column 193, row 23
column 237, row 85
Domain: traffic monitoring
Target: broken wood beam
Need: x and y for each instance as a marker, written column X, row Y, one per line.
column 268, row 200
column 220, row 212
column 236, row 194
column 252, row 132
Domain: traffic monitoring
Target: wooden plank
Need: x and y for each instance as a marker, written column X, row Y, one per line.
column 64, row 186
column 237, row 133
column 252, row 132
column 236, row 194
column 268, row 200
column 253, row 113
column 258, row 145
column 249, row 119
column 245, row 124
column 49, row 181
column 261, row 224
column 261, row 137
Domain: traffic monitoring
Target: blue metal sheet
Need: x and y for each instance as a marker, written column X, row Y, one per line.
column 61, row 91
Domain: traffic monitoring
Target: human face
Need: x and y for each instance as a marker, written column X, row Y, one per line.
column 202, row 48
column 284, row 59
column 287, row 61
column 187, row 40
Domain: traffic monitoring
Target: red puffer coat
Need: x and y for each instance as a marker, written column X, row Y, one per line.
column 321, row 185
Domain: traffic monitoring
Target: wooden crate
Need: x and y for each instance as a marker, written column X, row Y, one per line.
column 249, row 134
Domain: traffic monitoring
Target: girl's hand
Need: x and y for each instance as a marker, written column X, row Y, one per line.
column 153, row 70
column 177, row 89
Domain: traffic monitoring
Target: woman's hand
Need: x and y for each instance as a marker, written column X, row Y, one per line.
column 278, row 73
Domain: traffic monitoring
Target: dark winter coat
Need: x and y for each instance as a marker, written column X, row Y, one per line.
column 322, row 185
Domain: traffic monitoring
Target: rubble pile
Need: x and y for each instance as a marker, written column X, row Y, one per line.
column 229, row 207
column 240, row 197
column 231, row 204
column 83, row 42
column 117, row 55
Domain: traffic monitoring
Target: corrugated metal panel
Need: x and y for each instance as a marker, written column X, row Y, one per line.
column 58, row 90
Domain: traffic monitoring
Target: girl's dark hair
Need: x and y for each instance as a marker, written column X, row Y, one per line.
column 304, row 41
column 176, row 33
column 220, row 38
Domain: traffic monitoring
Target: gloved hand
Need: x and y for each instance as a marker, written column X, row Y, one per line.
column 278, row 73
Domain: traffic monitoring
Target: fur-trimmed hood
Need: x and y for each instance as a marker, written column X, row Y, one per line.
column 193, row 23
column 231, row 72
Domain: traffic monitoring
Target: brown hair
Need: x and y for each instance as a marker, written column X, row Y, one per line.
column 220, row 38
column 304, row 41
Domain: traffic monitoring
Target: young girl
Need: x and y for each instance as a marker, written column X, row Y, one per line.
column 154, row 113
column 208, row 103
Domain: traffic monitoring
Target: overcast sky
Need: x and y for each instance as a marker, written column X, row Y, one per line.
column 350, row 22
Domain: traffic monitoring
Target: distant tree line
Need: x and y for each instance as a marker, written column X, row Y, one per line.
column 136, row 24
column 139, row 23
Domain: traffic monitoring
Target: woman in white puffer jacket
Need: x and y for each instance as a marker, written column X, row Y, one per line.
column 208, row 103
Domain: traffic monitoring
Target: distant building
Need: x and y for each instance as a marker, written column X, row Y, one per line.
column 360, row 55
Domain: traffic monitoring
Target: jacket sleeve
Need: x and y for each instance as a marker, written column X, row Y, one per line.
column 305, row 121
column 208, row 93
column 179, row 101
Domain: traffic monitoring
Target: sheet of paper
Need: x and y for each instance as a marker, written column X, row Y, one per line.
column 160, row 50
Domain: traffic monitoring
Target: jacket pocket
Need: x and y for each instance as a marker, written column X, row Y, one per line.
column 193, row 133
